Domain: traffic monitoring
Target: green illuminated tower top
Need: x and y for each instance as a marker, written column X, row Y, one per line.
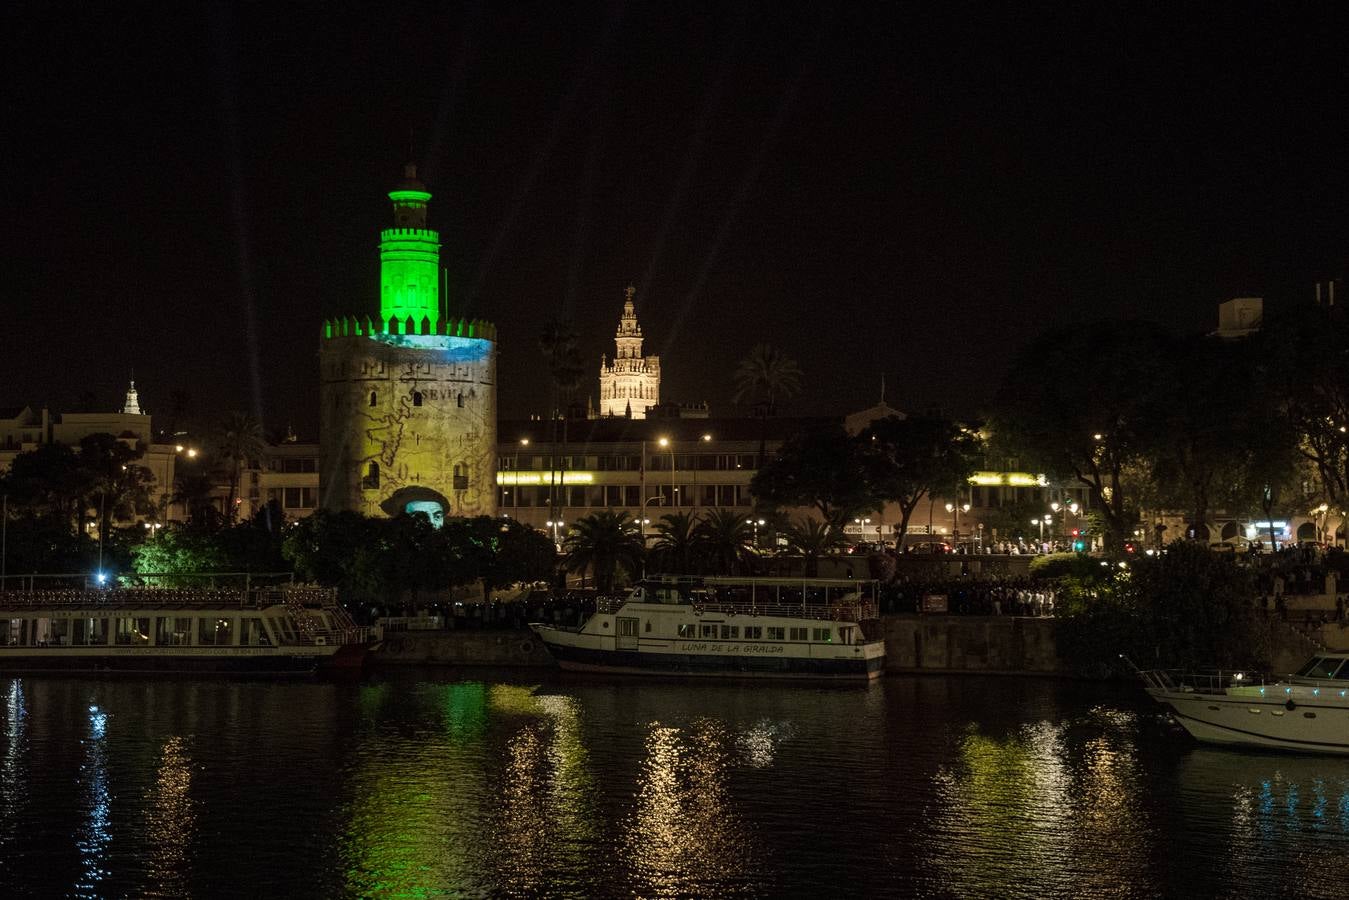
column 409, row 256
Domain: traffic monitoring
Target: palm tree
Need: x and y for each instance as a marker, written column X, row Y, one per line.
column 813, row 538
column 235, row 441
column 193, row 489
column 558, row 341
column 723, row 538
column 676, row 543
column 602, row 542
column 766, row 375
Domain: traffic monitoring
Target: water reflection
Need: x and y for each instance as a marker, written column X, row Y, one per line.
column 1019, row 813
column 94, row 835
column 1272, row 801
column 13, row 772
column 686, row 835
column 170, row 821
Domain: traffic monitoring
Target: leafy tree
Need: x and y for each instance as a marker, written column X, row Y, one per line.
column 47, row 483
column 824, row 468
column 676, row 546
column 813, row 539
column 766, row 375
column 117, row 487
column 917, row 457
column 723, row 540
column 500, row 552
column 233, row 442
column 604, row 542
column 1081, row 404
column 337, row 549
column 1187, row 607
column 178, row 551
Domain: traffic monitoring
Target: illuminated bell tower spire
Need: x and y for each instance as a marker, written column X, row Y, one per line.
column 409, row 258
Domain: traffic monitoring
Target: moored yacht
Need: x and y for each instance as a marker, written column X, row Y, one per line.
column 675, row 625
column 291, row 630
column 1307, row 711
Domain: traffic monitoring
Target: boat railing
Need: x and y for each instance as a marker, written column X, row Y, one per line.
column 849, row 611
column 1203, row 681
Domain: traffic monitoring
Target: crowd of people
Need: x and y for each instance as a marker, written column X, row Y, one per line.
column 970, row 596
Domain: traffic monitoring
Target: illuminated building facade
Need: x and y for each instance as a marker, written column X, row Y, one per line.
column 630, row 384
column 407, row 421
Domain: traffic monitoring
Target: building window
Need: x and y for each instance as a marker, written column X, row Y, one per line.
column 374, row 397
column 460, row 477
column 371, row 479
column 416, row 398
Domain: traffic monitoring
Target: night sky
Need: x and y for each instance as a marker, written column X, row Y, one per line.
column 188, row 189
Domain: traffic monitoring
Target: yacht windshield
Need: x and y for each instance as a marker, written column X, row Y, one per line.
column 1321, row 667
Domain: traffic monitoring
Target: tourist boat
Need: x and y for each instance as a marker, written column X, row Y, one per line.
column 675, row 625
column 1307, row 711
column 291, row 630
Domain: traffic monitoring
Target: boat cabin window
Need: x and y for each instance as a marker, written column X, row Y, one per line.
column 648, row 626
column 89, row 632
column 708, row 631
column 58, row 634
column 173, row 631
column 797, row 634
column 251, row 632
column 753, row 632
column 824, row 635
column 133, row 631
column 1321, row 667
column 730, row 632
column 775, row 633
column 14, row 632
column 845, row 633
column 212, row 631
column 686, row 629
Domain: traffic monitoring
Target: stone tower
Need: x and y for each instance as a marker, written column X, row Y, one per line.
column 632, row 382
column 408, row 400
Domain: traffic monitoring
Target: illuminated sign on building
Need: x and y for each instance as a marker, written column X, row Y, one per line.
column 1009, row 479
column 545, row 477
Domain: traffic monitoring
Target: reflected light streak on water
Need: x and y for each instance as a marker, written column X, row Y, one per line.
column 95, row 834
column 170, row 821
column 13, row 776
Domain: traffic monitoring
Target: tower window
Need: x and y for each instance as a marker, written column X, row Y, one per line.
column 416, row 398
column 460, row 477
column 371, row 479
column 461, row 400
column 373, row 398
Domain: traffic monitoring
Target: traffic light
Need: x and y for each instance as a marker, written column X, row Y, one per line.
column 1078, row 543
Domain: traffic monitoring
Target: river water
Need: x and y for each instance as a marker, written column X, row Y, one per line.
column 432, row 784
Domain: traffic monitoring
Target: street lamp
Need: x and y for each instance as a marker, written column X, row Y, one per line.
column 669, row 445
column 555, row 526
column 756, row 523
column 642, row 522
column 955, row 509
column 861, row 527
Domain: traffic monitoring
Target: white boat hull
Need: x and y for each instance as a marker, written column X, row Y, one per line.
column 1309, row 724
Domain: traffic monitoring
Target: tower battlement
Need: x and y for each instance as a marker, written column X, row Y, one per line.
column 355, row 326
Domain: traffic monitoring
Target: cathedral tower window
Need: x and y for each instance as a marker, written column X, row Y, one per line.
column 416, row 398
column 374, row 398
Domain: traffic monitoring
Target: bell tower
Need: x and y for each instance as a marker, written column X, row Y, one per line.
column 631, row 383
